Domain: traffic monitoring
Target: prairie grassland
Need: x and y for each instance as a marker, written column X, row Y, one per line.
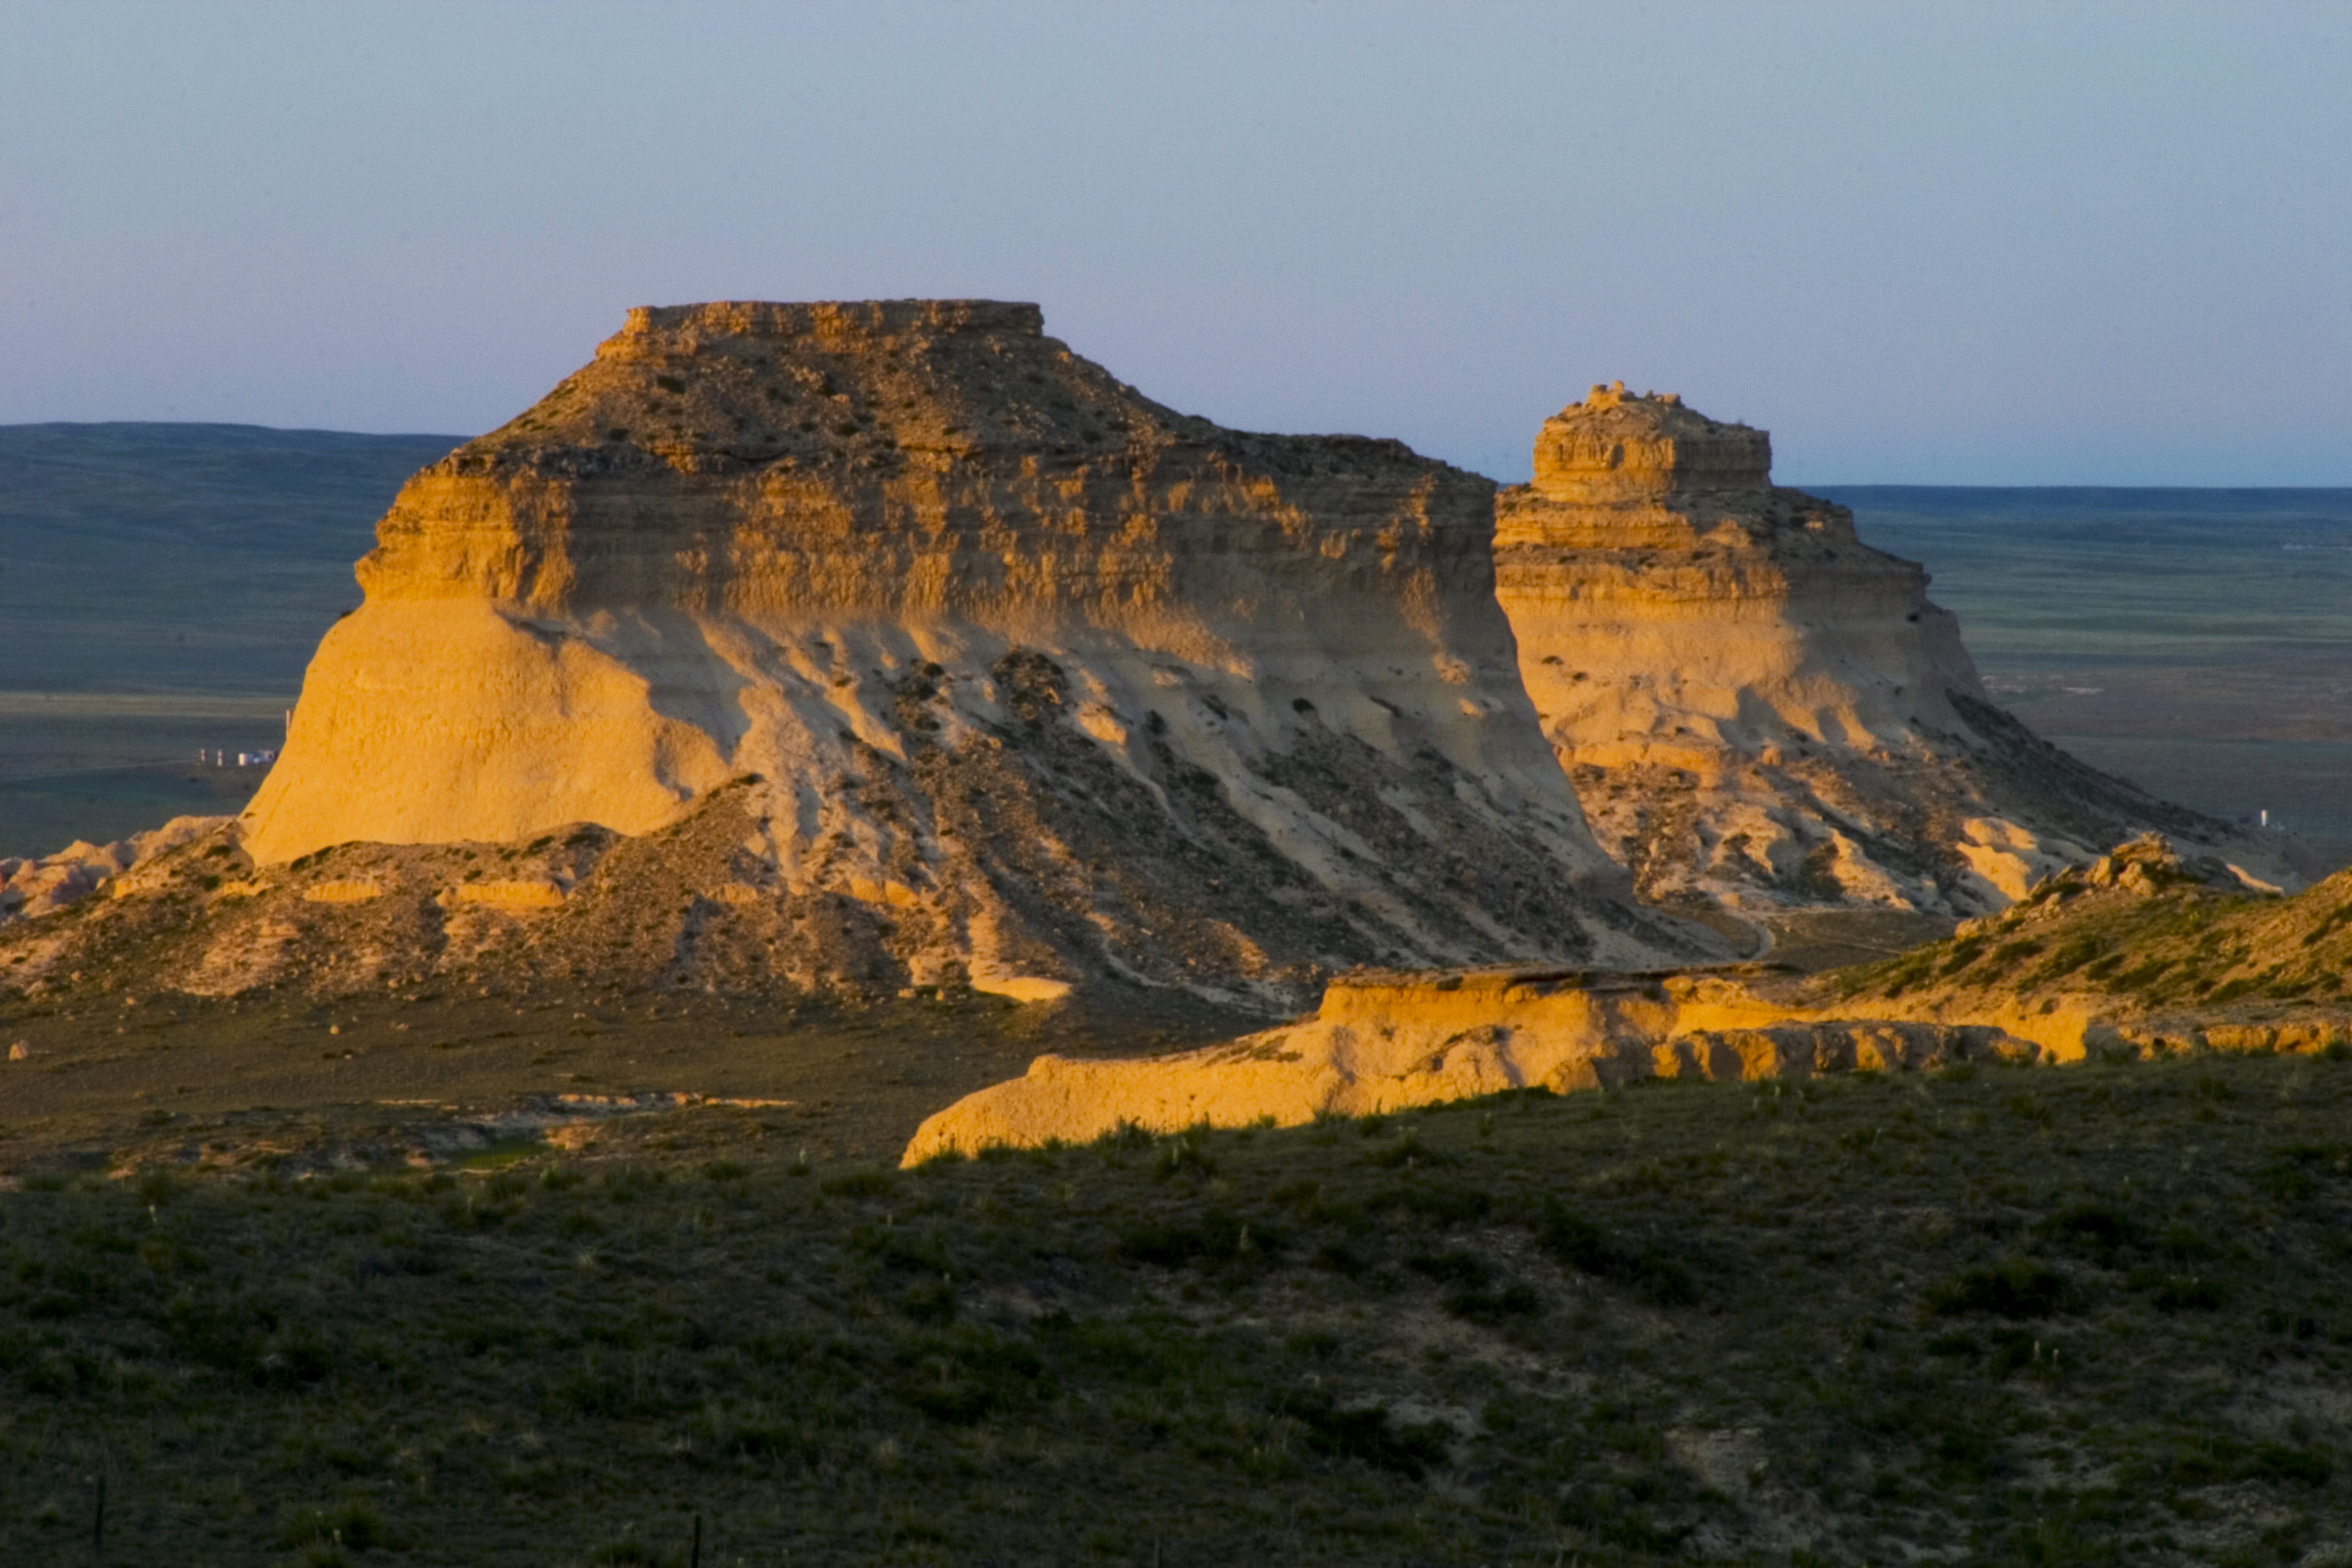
column 2095, row 1314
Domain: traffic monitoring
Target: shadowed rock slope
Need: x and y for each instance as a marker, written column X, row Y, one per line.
column 1758, row 709
column 1031, row 680
column 2144, row 948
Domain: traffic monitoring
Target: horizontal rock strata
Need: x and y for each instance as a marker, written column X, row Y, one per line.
column 1050, row 682
column 1757, row 708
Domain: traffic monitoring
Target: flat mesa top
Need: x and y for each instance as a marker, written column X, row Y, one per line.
column 1647, row 414
column 1618, row 446
column 834, row 317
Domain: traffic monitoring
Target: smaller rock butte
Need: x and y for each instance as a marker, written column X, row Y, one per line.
column 1758, row 709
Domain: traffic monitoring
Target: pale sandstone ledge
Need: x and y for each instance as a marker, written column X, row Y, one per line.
column 1759, row 710
column 1384, row 1043
column 1390, row 1042
column 1061, row 684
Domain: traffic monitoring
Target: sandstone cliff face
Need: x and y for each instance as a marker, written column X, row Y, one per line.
column 1756, row 707
column 1049, row 681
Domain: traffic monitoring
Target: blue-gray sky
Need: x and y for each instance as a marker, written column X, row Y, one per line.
column 1934, row 243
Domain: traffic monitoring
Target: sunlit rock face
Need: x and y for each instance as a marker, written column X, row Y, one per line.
column 1757, row 708
column 1056, row 683
column 1384, row 1043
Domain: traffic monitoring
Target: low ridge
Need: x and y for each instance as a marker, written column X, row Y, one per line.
column 2145, row 951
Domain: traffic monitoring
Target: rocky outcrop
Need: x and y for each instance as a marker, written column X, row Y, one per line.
column 2146, row 943
column 1044, row 682
column 688, row 906
column 39, row 885
column 1759, row 710
column 2143, row 951
column 1388, row 1042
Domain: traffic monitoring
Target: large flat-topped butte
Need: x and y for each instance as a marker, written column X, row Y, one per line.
column 1036, row 679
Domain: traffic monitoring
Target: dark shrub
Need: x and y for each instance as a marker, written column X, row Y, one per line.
column 2097, row 1228
column 1215, row 1238
column 2188, row 1293
column 1408, row 1153
column 2294, row 1467
column 1585, row 1247
column 1451, row 1269
column 1368, row 1435
column 2020, row 1288
column 860, row 1183
column 1478, row 1306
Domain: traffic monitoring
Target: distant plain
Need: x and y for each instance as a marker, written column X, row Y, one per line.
column 2196, row 641
column 161, row 587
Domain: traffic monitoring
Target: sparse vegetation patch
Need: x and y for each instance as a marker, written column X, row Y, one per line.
column 2091, row 1315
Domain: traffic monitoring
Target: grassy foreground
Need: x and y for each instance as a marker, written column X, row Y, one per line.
column 2093, row 1314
